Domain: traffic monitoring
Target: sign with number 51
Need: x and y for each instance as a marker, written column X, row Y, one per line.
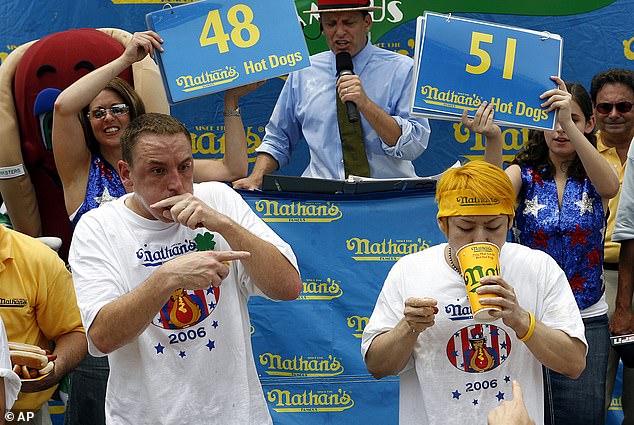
column 463, row 62
column 210, row 46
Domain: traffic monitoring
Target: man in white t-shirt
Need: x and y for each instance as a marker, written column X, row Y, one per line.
column 163, row 276
column 451, row 366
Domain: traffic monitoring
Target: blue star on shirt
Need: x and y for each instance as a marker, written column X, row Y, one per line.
column 454, row 354
column 507, row 379
column 159, row 348
column 212, row 305
column 500, row 396
column 456, row 394
column 494, row 332
column 503, row 345
column 211, row 345
column 210, row 290
column 215, row 324
column 475, row 402
column 182, row 354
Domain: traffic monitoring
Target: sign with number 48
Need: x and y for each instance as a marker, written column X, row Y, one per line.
column 210, row 46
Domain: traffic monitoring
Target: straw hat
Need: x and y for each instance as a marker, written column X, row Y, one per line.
column 324, row 6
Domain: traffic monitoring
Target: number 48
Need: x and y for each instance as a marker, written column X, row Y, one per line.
column 221, row 38
column 485, row 58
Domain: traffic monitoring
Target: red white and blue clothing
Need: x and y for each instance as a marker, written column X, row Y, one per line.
column 572, row 234
column 104, row 185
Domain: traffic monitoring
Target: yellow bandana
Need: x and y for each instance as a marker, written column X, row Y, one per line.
column 462, row 202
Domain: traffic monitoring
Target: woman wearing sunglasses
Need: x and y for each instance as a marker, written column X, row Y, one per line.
column 562, row 185
column 90, row 117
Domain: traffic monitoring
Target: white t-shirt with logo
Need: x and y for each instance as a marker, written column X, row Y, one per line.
column 460, row 370
column 194, row 363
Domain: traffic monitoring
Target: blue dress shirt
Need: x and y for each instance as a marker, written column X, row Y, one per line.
column 307, row 107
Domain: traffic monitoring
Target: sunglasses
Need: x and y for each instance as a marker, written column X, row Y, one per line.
column 606, row 108
column 114, row 110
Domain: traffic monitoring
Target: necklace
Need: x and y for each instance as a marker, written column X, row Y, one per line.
column 453, row 266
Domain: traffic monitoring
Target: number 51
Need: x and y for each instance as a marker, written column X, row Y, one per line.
column 485, row 58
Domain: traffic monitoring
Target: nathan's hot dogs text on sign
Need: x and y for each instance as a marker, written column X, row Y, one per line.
column 476, row 261
column 29, row 362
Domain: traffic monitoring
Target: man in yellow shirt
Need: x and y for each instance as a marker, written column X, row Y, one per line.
column 38, row 306
column 612, row 93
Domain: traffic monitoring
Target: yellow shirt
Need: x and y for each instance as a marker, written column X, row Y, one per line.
column 611, row 248
column 37, row 299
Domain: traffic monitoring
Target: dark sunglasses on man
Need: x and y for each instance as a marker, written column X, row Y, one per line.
column 114, row 110
column 606, row 108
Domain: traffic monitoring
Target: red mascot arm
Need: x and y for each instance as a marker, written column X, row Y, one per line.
column 17, row 192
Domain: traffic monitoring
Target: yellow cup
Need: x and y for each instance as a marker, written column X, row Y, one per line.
column 477, row 260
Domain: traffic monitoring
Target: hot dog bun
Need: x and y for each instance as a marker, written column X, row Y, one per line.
column 46, row 369
column 19, row 346
column 26, row 358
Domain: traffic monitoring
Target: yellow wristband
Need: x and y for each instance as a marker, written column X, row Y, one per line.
column 531, row 328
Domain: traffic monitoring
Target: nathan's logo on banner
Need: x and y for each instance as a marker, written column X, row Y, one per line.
column 277, row 365
column 390, row 10
column 318, row 290
column 297, row 211
column 357, row 323
column 13, row 302
column 207, row 79
column 384, row 250
column 627, row 49
column 209, row 140
column 285, row 401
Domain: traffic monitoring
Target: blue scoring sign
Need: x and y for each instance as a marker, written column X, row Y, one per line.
column 463, row 62
column 212, row 46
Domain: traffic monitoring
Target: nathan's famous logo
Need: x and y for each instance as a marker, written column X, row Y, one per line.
column 459, row 311
column 296, row 211
column 209, row 140
column 318, row 290
column 357, row 324
column 472, row 201
column 207, row 79
column 389, row 10
column 276, row 365
column 627, row 49
column 156, row 257
column 478, row 348
column 513, row 140
column 470, row 102
column 364, row 249
column 13, row 302
column 285, row 401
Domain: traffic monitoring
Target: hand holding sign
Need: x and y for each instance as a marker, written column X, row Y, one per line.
column 505, row 66
column 211, row 46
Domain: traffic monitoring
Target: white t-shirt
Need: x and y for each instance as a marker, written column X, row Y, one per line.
column 11, row 380
column 194, row 363
column 447, row 379
column 624, row 224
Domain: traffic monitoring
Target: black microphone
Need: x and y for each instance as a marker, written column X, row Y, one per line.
column 345, row 67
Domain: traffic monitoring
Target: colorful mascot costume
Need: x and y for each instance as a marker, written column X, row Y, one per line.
column 31, row 77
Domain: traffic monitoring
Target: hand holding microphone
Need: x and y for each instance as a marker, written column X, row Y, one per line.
column 345, row 67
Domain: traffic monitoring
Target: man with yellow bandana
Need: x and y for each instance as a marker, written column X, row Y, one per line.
column 422, row 327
